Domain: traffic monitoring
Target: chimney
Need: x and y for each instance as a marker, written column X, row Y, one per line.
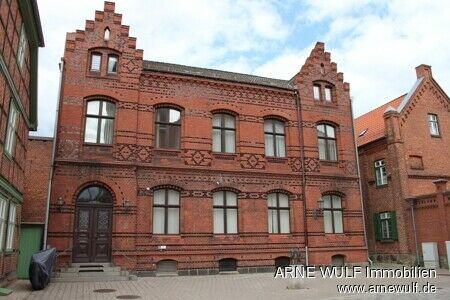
column 423, row 71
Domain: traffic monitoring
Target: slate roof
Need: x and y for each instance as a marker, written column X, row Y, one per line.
column 216, row 74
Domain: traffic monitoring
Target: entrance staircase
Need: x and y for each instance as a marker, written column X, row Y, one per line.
column 81, row 272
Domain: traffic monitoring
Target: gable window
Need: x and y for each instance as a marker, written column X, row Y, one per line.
column 433, row 124
column 99, row 122
column 112, row 64
column 22, row 47
column 3, row 219
column 224, row 133
column 327, row 142
column 316, row 91
column 385, row 226
column 166, row 211
column 274, row 138
column 106, row 34
column 328, row 93
column 96, row 61
column 278, row 209
column 332, row 214
column 168, row 127
column 225, row 212
column 11, row 226
column 380, row 172
column 11, row 130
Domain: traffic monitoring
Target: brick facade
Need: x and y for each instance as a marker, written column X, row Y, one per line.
column 132, row 167
column 399, row 133
column 17, row 89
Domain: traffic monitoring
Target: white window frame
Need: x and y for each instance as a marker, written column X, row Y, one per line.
column 11, row 130
column 380, row 172
column 110, row 58
column 316, row 92
column 22, row 47
column 3, row 220
column 328, row 94
column 385, row 221
column 433, row 124
column 12, row 221
column 91, row 67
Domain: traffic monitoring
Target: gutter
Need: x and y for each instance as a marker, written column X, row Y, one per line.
column 55, row 130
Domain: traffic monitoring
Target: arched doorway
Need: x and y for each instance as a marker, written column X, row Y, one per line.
column 93, row 220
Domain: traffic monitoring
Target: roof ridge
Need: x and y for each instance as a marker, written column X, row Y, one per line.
column 381, row 106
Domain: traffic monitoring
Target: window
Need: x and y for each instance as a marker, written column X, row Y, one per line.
column 112, row 64
column 22, row 47
column 11, row 131
column 385, row 226
column 3, row 218
column 96, row 61
column 328, row 93
column 168, row 127
column 11, row 226
column 278, row 205
column 327, row 142
column 224, row 133
column 316, row 91
column 166, row 211
column 332, row 214
column 433, row 124
column 106, row 34
column 225, row 212
column 227, row 265
column 99, row 122
column 274, row 138
column 380, row 172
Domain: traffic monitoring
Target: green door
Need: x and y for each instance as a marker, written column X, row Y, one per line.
column 30, row 243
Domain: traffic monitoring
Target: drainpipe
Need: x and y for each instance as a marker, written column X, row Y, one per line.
column 302, row 154
column 52, row 166
column 412, row 202
column 359, row 178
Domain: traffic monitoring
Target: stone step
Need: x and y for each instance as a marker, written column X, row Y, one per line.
column 89, row 274
column 90, row 265
column 90, row 269
column 94, row 279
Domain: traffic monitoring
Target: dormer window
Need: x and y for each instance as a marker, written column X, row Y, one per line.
column 96, row 61
column 112, row 64
column 106, row 35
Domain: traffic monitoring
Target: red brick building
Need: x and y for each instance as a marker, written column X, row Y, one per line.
column 20, row 38
column 160, row 165
column 404, row 147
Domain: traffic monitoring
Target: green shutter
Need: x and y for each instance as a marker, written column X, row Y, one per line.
column 393, row 224
column 377, row 226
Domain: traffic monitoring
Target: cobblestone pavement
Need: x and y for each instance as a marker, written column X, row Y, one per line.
column 251, row 286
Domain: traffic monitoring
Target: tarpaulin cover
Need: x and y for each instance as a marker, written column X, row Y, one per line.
column 41, row 268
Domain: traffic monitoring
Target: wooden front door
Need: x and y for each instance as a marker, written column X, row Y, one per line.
column 92, row 241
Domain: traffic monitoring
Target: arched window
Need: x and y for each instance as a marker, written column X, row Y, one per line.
column 327, row 142
column 112, row 63
column 227, row 265
column 100, row 116
column 224, row 133
column 106, row 34
column 323, row 91
column 332, row 214
column 278, row 208
column 95, row 194
column 274, row 138
column 166, row 211
column 225, row 212
column 168, row 128
column 166, row 267
column 338, row 260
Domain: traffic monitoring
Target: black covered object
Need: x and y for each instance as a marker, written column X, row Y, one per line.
column 41, row 268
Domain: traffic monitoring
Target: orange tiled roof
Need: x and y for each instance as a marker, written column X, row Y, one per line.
column 373, row 123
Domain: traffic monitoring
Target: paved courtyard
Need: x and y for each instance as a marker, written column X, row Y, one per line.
column 251, row 286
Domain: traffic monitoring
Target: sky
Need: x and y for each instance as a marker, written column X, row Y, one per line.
column 376, row 44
